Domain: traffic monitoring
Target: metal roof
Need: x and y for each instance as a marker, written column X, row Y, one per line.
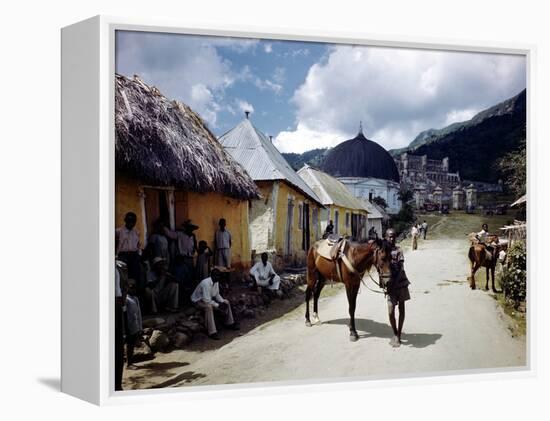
column 260, row 158
column 330, row 190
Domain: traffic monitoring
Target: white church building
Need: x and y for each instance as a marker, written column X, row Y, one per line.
column 366, row 169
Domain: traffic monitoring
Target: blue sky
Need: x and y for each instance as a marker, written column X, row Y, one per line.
column 310, row 95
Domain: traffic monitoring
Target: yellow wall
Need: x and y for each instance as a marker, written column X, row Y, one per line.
column 204, row 209
column 342, row 229
column 127, row 199
column 297, row 254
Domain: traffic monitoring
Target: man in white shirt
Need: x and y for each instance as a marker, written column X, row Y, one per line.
column 223, row 245
column 206, row 296
column 264, row 275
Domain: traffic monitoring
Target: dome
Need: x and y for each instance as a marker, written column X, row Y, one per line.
column 361, row 157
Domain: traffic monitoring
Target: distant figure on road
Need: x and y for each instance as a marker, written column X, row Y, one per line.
column 397, row 289
column 329, row 230
column 414, row 235
column 424, row 229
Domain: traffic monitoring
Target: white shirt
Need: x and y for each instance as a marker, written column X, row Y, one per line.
column 414, row 231
column 128, row 240
column 262, row 272
column 207, row 291
column 482, row 235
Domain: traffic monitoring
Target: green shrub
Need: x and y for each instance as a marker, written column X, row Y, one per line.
column 513, row 278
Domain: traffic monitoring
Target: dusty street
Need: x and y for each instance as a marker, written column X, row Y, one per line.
column 447, row 327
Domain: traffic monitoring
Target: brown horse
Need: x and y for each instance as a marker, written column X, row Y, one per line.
column 360, row 257
column 480, row 257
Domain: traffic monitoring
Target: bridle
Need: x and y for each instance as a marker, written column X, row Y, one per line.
column 382, row 276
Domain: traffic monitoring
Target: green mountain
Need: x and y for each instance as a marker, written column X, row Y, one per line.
column 474, row 146
column 313, row 157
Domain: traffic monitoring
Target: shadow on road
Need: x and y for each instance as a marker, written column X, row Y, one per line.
column 383, row 330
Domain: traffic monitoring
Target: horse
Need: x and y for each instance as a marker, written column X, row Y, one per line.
column 481, row 257
column 360, row 259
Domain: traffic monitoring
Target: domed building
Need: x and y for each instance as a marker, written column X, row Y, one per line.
column 366, row 169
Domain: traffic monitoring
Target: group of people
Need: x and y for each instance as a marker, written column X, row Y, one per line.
column 173, row 270
column 168, row 269
column 417, row 231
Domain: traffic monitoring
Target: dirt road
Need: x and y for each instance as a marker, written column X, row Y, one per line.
column 447, row 327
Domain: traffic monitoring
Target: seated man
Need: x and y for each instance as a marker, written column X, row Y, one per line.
column 264, row 275
column 162, row 288
column 206, row 296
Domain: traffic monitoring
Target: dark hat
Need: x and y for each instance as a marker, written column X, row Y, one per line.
column 191, row 226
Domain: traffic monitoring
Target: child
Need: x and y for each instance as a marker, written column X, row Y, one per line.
column 134, row 325
column 203, row 261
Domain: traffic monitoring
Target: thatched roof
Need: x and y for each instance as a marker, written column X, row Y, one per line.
column 165, row 143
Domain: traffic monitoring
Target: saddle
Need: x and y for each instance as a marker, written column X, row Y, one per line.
column 331, row 247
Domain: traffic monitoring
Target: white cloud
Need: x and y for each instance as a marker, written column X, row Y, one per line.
column 244, row 106
column 268, row 48
column 187, row 68
column 455, row 116
column 396, row 93
column 305, row 138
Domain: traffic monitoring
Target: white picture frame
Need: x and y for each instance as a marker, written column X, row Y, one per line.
column 88, row 207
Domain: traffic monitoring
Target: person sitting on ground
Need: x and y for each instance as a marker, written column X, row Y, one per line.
column 162, row 287
column 264, row 275
column 398, row 288
column 207, row 297
column 202, row 268
column 157, row 245
column 134, row 326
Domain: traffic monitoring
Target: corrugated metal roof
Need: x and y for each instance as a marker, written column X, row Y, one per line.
column 374, row 212
column 260, row 158
column 330, row 190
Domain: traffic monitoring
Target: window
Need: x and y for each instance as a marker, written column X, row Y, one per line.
column 347, row 219
column 336, row 214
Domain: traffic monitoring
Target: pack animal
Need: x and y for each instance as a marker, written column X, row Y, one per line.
column 346, row 262
column 481, row 256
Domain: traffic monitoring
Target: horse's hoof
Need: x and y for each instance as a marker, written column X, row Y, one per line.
column 316, row 319
column 308, row 323
column 494, row 290
column 353, row 337
column 486, row 288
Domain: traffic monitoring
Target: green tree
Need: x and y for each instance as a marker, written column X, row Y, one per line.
column 380, row 201
column 513, row 167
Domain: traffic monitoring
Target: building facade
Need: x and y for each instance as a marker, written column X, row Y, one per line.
column 366, row 169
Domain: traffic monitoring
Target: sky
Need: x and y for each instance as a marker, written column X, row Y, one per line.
column 314, row 95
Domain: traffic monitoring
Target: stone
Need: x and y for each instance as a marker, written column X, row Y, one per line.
column 249, row 313
column 159, row 341
column 189, row 311
column 142, row 351
column 193, row 326
column 153, row 322
column 180, row 339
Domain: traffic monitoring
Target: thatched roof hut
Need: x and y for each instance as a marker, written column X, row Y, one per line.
column 165, row 143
